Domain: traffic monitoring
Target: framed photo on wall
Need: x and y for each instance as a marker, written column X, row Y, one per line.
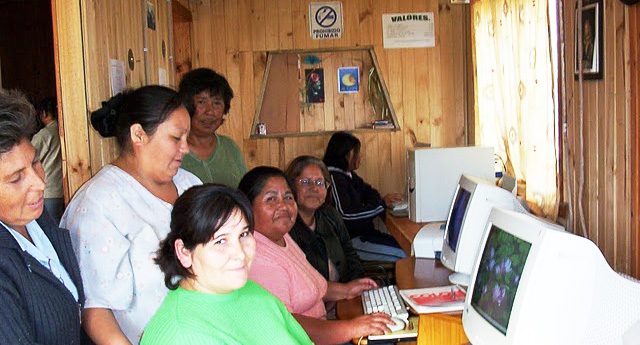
column 592, row 40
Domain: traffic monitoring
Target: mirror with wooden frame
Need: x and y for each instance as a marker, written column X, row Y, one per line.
column 318, row 91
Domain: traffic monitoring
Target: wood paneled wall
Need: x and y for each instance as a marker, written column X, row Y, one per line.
column 428, row 86
column 634, row 110
column 609, row 110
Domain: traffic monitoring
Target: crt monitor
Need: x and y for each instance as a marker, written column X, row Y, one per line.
column 473, row 200
column 535, row 283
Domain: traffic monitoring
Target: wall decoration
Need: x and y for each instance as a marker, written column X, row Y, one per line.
column 348, row 79
column 151, row 16
column 314, row 84
column 592, row 40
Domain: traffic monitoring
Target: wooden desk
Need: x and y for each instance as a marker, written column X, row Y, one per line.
column 403, row 230
column 433, row 329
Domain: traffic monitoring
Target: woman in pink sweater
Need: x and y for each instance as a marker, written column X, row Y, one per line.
column 281, row 267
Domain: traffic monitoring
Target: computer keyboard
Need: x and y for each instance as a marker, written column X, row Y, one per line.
column 386, row 300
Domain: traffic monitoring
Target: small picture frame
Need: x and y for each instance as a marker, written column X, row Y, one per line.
column 348, row 79
column 151, row 16
column 592, row 40
column 314, row 84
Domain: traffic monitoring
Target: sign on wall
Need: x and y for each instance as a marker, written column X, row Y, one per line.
column 325, row 20
column 408, row 30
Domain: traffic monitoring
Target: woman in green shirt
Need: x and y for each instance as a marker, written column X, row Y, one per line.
column 206, row 259
column 212, row 157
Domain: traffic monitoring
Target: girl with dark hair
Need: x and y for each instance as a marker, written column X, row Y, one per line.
column 119, row 216
column 282, row 268
column 212, row 157
column 206, row 260
column 357, row 201
column 41, row 290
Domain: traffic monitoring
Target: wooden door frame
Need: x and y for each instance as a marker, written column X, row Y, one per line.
column 71, row 91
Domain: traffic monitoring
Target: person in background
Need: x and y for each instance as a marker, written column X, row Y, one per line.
column 41, row 290
column 212, row 157
column 357, row 201
column 319, row 230
column 206, row 260
column 118, row 218
column 47, row 144
column 280, row 265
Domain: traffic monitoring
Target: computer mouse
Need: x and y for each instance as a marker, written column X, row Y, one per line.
column 398, row 324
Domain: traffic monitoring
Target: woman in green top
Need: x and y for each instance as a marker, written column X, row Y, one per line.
column 212, row 157
column 206, row 259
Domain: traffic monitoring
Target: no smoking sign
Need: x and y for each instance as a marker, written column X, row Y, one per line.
column 325, row 20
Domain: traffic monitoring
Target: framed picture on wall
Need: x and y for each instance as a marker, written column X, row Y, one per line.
column 591, row 38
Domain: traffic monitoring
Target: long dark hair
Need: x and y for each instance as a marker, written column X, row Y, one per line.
column 196, row 216
column 339, row 146
column 148, row 106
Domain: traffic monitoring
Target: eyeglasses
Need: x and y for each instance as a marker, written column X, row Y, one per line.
column 308, row 183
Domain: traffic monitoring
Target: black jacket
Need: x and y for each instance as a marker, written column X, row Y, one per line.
column 329, row 240
column 357, row 202
column 36, row 307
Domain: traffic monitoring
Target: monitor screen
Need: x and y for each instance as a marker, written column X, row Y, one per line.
column 456, row 217
column 498, row 277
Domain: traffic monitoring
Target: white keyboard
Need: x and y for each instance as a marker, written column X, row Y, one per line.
column 386, row 300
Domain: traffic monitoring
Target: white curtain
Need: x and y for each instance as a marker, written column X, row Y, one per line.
column 516, row 111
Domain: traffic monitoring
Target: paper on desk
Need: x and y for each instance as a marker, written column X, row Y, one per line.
column 439, row 299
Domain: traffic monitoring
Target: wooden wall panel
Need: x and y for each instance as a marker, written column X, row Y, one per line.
column 424, row 83
column 632, row 89
column 607, row 131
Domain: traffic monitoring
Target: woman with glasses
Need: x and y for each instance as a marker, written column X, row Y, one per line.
column 212, row 157
column 281, row 267
column 319, row 229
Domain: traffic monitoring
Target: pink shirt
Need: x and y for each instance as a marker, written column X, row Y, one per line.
column 286, row 273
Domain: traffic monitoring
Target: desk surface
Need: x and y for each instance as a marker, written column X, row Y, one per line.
column 433, row 329
column 403, row 230
column 411, row 273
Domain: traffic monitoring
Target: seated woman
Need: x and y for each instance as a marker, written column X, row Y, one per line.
column 41, row 290
column 206, row 260
column 281, row 267
column 118, row 217
column 357, row 202
column 319, row 230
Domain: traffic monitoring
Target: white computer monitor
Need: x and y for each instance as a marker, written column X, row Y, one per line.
column 473, row 200
column 534, row 283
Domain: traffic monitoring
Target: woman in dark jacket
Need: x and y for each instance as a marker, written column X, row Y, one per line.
column 40, row 286
column 357, row 201
column 319, row 229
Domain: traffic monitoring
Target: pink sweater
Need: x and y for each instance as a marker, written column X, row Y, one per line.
column 286, row 273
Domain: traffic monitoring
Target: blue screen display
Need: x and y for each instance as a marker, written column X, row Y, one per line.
column 457, row 215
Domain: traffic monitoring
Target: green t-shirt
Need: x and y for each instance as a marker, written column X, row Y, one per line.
column 225, row 165
column 249, row 315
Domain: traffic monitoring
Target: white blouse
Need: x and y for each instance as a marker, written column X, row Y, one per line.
column 116, row 226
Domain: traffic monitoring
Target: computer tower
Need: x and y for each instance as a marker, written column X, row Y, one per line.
column 433, row 174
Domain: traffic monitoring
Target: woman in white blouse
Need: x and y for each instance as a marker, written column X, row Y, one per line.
column 118, row 218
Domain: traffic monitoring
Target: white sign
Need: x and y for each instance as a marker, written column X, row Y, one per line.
column 117, row 75
column 408, row 30
column 325, row 20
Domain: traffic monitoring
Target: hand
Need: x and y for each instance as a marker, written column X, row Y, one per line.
column 355, row 287
column 391, row 198
column 366, row 325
